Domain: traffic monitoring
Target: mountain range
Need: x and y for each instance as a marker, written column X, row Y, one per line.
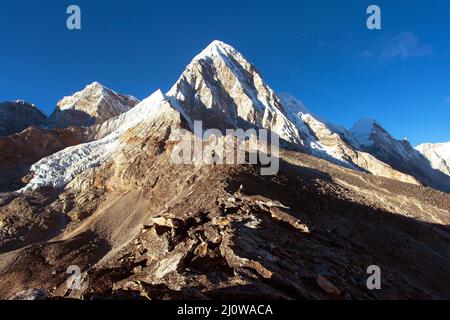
column 93, row 185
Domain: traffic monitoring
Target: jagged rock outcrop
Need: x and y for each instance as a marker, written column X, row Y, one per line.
column 17, row 116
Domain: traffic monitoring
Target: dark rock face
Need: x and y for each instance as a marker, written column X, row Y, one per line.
column 17, row 116
column 19, row 151
column 67, row 118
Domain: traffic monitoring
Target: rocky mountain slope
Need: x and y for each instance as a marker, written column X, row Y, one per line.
column 400, row 155
column 60, row 168
column 438, row 154
column 140, row 226
column 223, row 90
column 330, row 142
column 93, row 105
column 18, row 115
column 20, row 150
column 226, row 232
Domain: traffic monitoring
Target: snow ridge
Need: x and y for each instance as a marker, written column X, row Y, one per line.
column 313, row 130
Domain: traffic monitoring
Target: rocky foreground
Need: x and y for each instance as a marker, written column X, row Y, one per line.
column 226, row 232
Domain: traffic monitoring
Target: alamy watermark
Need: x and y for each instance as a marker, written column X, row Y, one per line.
column 374, row 20
column 73, row 22
column 374, row 281
column 237, row 146
column 74, row 280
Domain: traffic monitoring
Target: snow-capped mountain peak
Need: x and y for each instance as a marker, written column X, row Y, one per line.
column 18, row 115
column 439, row 148
column 93, row 105
column 94, row 92
column 224, row 90
column 371, row 137
column 363, row 129
column 438, row 154
column 60, row 168
column 216, row 48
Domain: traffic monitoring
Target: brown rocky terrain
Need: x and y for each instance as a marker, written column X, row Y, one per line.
column 69, row 125
column 225, row 232
column 19, row 151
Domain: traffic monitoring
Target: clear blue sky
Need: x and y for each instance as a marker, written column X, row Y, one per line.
column 320, row 51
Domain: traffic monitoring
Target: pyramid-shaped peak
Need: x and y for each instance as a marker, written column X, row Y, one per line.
column 217, row 48
column 95, row 86
column 364, row 129
column 92, row 105
column 92, row 91
column 364, row 125
column 224, row 90
column 219, row 44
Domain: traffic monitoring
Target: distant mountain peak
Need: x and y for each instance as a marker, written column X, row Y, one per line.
column 365, row 124
column 18, row 115
column 399, row 154
column 363, row 129
column 438, row 154
column 93, row 104
column 93, row 91
column 224, row 90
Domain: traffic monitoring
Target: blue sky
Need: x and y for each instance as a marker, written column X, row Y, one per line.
column 319, row 51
